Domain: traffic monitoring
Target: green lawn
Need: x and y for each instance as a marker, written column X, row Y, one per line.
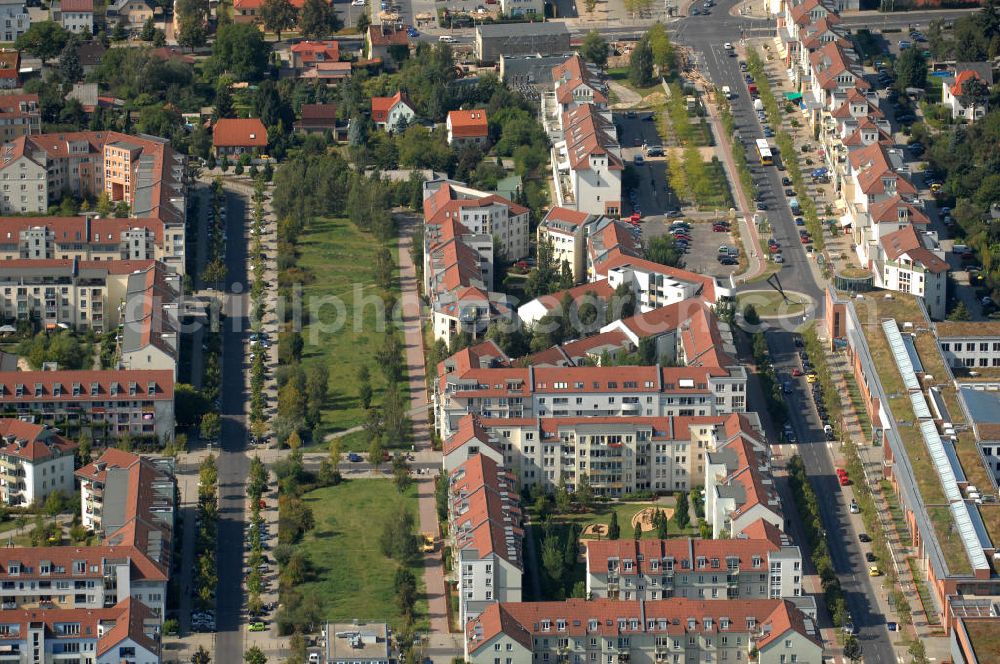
column 770, row 303
column 340, row 260
column 352, row 577
column 620, row 75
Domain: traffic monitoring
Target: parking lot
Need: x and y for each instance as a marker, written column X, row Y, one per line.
column 703, row 250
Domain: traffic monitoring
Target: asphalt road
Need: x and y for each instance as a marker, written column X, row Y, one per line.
column 706, row 35
column 233, row 463
column 846, row 551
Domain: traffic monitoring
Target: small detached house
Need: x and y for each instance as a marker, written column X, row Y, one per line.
column 237, row 136
column 76, row 16
column 320, row 118
column 953, row 91
column 387, row 44
column 135, row 13
column 393, row 113
column 467, row 128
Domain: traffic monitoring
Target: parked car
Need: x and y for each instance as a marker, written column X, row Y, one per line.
column 870, row 557
column 778, row 258
column 854, row 507
column 354, row 457
column 257, row 627
column 786, row 182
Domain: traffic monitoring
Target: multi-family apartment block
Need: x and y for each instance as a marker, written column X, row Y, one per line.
column 675, row 631
column 618, row 455
column 566, row 231
column 763, row 566
column 462, row 225
column 149, row 336
column 92, row 238
column 14, row 19
column 72, row 293
column 34, row 461
column 125, row 632
column 107, row 404
column 129, row 503
column 481, row 213
column 587, row 163
column 108, row 493
column 486, row 534
column 739, row 488
column 142, row 171
column 529, row 392
column 20, row 115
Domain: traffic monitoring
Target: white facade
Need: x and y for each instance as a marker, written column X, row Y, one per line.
column 905, row 275
column 24, row 183
column 958, row 111
column 14, row 19
column 970, row 346
column 522, row 7
column 571, row 392
column 78, row 22
column 38, row 479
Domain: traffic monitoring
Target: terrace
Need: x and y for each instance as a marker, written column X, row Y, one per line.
column 871, row 310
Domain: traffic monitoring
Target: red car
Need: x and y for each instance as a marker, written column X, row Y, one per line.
column 805, row 239
column 775, row 249
column 718, row 228
column 796, row 372
column 844, row 480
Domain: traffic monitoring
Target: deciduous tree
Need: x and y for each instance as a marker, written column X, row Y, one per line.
column 278, row 16
column 44, row 40
column 318, row 19
column 595, row 48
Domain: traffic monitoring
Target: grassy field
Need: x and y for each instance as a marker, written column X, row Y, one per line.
column 353, row 578
column 340, row 260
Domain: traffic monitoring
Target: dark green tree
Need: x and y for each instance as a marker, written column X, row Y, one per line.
column 681, row 516
column 318, row 19
column 595, row 48
column 640, row 68
column 148, row 30
column 614, row 530
column 240, row 49
column 44, row 40
column 69, row 63
column 663, row 249
column 750, row 315
column 278, row 16
column 911, row 70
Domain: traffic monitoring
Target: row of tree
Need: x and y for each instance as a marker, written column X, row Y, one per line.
column 206, row 576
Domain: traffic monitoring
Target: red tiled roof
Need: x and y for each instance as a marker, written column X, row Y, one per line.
column 643, row 553
column 589, row 134
column 566, row 216
column 612, row 619
column 468, row 124
column 31, row 442
column 469, row 428
column 126, row 620
column 239, row 132
column 485, row 515
column 887, row 211
column 379, row 36
column 317, row 51
column 961, row 78
column 76, row 5
column 448, row 202
column 162, row 380
column 382, row 105
column 906, row 241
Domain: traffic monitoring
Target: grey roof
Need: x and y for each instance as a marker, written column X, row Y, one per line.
column 983, row 405
column 535, row 70
column 522, row 29
column 115, row 498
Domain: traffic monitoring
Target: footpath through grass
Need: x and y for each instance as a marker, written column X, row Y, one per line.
column 341, row 325
column 353, row 579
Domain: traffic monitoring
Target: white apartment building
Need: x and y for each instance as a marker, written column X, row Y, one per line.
column 566, row 231
column 969, row 345
column 14, row 19
column 834, row 71
column 739, row 489
column 485, row 529
column 531, row 392
column 106, row 404
column 911, row 262
column 92, row 238
column 34, row 462
column 480, row 213
column 659, row 285
column 150, row 336
column 597, row 294
column 469, row 440
column 574, row 83
column 587, row 163
column 618, row 455
column 767, row 567
column 90, row 577
column 522, row 7
column 142, row 171
column 125, row 632
column 677, row 631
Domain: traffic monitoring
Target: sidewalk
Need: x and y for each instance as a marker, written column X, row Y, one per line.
column 748, row 231
column 899, row 545
column 437, row 599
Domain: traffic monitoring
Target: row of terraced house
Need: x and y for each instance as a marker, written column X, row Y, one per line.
column 878, row 203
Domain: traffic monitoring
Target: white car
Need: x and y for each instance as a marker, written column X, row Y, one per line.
column 447, row 39
column 357, row 3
